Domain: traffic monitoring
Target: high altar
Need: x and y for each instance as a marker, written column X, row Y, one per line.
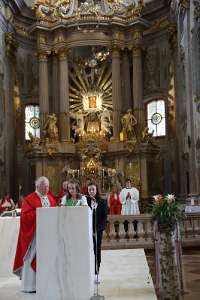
column 88, row 86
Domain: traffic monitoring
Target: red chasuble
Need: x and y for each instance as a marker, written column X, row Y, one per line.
column 28, row 229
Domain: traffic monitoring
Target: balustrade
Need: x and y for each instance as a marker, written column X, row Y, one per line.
column 136, row 231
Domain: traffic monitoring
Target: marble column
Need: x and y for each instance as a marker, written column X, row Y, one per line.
column 116, row 92
column 137, row 77
column 43, row 88
column 10, row 146
column 55, row 83
column 64, row 120
column 127, row 101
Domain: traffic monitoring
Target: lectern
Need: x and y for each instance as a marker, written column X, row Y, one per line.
column 65, row 257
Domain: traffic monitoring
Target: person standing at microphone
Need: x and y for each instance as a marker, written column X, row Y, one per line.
column 99, row 207
column 73, row 196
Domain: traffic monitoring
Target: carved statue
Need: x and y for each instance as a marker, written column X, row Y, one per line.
column 128, row 125
column 51, row 9
column 146, row 136
column 34, row 140
column 50, row 128
column 106, row 123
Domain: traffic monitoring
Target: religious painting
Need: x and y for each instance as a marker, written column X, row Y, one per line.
column 92, row 102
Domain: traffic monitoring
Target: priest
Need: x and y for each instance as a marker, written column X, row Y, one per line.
column 25, row 258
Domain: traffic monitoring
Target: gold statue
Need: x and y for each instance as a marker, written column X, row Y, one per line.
column 128, row 125
column 146, row 135
column 34, row 140
column 50, row 128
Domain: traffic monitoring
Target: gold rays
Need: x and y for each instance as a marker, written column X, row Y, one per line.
column 84, row 81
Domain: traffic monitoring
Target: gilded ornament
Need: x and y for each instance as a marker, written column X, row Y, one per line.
column 42, row 39
column 197, row 10
column 43, row 55
column 197, row 101
column 20, row 29
column 184, row 3
column 34, row 142
column 62, row 53
column 126, row 7
column 51, row 10
column 10, row 43
column 56, row 10
column 172, row 32
column 49, row 147
column 146, row 136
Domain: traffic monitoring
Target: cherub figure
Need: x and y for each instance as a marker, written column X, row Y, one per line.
column 146, row 135
column 35, row 141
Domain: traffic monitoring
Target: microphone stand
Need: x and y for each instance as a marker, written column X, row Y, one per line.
column 96, row 295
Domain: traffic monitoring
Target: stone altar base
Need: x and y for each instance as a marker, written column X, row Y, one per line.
column 65, row 258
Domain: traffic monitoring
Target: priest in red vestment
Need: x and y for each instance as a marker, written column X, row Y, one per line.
column 25, row 258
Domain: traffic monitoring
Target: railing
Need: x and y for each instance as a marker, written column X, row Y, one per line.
column 136, row 231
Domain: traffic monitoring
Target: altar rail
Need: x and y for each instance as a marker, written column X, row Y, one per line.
column 137, row 232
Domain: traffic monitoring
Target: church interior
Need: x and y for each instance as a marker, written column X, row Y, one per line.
column 105, row 90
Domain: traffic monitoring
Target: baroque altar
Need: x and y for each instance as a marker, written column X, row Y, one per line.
column 91, row 120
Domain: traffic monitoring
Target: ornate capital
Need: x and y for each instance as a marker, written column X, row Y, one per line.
column 63, row 53
column 137, row 38
column 43, row 55
column 10, row 43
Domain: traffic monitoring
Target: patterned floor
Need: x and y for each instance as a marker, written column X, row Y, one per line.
column 191, row 271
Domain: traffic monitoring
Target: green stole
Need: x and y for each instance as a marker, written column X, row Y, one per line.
column 70, row 202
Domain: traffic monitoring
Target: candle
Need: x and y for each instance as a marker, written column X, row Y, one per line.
column 121, row 136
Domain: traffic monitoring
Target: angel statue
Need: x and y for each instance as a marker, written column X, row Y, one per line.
column 128, row 125
column 34, row 140
column 50, row 128
column 146, row 136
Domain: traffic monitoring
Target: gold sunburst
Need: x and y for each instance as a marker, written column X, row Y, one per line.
column 88, row 82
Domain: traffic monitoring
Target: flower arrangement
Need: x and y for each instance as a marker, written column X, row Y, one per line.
column 166, row 211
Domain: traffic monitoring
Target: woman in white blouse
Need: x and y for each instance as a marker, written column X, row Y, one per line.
column 73, row 196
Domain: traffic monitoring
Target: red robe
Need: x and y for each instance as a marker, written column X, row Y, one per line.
column 115, row 204
column 28, row 229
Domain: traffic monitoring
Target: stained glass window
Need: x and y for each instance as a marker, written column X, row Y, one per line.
column 32, row 121
column 156, row 118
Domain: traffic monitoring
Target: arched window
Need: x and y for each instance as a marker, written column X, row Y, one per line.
column 32, row 121
column 156, row 118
